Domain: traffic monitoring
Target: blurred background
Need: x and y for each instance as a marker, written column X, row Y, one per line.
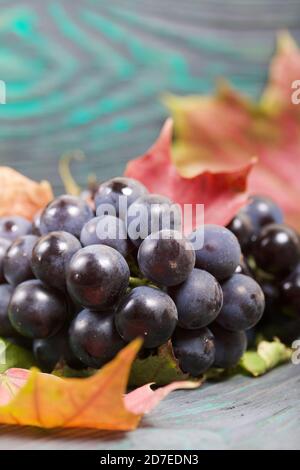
column 89, row 74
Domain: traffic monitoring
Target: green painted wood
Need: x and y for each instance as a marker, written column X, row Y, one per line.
column 240, row 413
column 89, row 74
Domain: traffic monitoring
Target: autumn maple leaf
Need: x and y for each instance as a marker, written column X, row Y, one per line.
column 99, row 402
column 222, row 132
column 20, row 195
column 221, row 193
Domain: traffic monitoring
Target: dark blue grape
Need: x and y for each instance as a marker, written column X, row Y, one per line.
column 277, row 250
column 51, row 256
column 243, row 303
column 106, row 230
column 17, row 261
column 65, row 213
column 229, row 346
column 194, row 350
column 166, row 258
column 110, row 191
column 272, row 299
column 97, row 277
column 6, row 328
column 152, row 213
column 262, row 211
column 4, row 245
column 37, row 311
column 13, row 227
column 241, row 226
column 290, row 292
column 94, row 338
column 49, row 352
column 148, row 313
column 36, row 224
column 198, row 300
column 221, row 252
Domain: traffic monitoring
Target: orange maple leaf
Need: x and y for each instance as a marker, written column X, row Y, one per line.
column 45, row 400
column 20, row 195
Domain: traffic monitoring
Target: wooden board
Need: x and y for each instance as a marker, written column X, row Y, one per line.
column 90, row 75
column 240, row 413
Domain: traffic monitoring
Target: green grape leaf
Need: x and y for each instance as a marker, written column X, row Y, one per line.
column 269, row 354
column 253, row 363
column 12, row 356
column 274, row 353
column 161, row 368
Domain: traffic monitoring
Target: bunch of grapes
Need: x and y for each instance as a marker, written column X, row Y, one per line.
column 271, row 255
column 77, row 285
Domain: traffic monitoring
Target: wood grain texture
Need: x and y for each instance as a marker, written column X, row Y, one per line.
column 89, row 74
column 240, row 413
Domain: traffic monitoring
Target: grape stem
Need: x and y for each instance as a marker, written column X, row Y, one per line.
column 137, row 281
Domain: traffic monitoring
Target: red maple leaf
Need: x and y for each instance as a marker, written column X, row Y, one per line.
column 221, row 193
column 221, row 132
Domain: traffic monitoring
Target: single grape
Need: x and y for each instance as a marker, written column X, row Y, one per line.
column 106, row 230
column 37, row 311
column 51, row 256
column 229, row 346
column 94, row 338
column 272, row 299
column 221, row 252
column 17, row 261
column 97, row 277
column 243, row 303
column 198, row 300
column 109, row 193
column 65, row 213
column 4, row 245
column 13, row 227
column 290, row 292
column 194, row 350
column 49, row 352
column 166, row 258
column 152, row 213
column 241, row 226
column 36, row 224
column 6, row 328
column 148, row 313
column 277, row 250
column 262, row 211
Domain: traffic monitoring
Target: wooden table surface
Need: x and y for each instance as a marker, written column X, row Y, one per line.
column 239, row 413
column 89, row 75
